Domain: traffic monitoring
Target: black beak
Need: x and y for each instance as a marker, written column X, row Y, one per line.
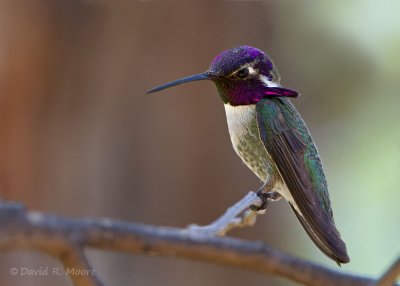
column 200, row 76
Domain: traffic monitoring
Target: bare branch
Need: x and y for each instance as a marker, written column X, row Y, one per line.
column 238, row 215
column 78, row 268
column 57, row 236
column 389, row 277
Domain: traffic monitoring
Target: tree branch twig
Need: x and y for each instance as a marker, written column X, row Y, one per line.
column 390, row 276
column 65, row 238
column 238, row 215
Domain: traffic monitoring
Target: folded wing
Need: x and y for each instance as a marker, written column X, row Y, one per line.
column 288, row 142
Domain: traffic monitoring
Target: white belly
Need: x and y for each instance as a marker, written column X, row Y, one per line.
column 243, row 130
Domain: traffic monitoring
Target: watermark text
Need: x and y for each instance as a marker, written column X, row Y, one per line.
column 50, row 271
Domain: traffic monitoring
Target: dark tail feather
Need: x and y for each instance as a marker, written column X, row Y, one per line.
column 332, row 246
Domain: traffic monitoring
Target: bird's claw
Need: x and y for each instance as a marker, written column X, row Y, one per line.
column 264, row 202
column 265, row 197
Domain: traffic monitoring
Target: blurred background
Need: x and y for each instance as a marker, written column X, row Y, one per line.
column 79, row 137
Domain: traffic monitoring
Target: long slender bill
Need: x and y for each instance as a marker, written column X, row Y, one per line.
column 201, row 76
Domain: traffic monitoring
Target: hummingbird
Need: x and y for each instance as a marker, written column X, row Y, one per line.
column 272, row 139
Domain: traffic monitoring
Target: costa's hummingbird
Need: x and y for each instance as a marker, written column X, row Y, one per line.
column 269, row 135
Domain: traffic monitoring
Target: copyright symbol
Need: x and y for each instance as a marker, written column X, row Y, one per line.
column 14, row 271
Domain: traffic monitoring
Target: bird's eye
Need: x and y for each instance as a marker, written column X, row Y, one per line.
column 242, row 73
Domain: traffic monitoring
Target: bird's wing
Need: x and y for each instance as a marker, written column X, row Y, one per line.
column 288, row 142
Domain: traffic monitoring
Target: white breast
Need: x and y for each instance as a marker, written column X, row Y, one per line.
column 239, row 119
column 243, row 130
column 242, row 124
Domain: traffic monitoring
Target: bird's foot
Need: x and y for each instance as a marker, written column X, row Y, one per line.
column 265, row 197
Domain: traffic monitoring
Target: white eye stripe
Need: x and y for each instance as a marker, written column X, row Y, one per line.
column 267, row 82
column 245, row 72
column 249, row 66
column 252, row 71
